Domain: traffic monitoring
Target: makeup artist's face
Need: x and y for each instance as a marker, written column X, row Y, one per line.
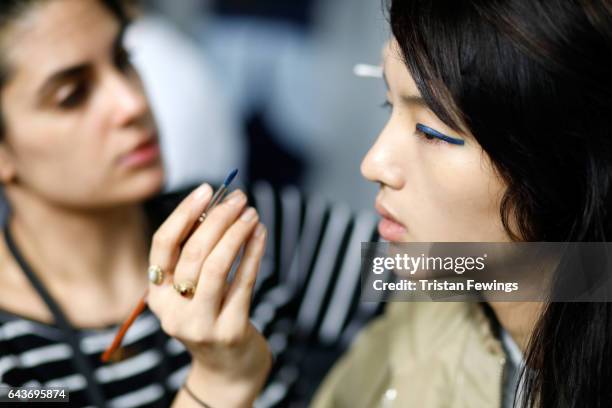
column 433, row 187
column 78, row 128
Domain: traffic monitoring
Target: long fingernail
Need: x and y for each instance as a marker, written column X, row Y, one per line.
column 202, row 193
column 235, row 198
column 260, row 230
column 249, row 214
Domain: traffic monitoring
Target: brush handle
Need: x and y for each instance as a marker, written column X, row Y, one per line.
column 140, row 307
column 214, row 201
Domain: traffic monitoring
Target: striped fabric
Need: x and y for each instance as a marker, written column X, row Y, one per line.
column 32, row 354
column 306, row 304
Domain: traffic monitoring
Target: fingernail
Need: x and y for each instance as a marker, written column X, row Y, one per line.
column 202, row 193
column 235, row 198
column 260, row 230
column 249, row 214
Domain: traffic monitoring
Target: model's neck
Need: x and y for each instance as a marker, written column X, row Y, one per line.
column 67, row 245
column 519, row 319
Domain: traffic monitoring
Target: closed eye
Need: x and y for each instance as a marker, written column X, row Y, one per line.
column 430, row 133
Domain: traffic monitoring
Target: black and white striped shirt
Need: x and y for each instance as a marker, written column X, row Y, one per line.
column 306, row 303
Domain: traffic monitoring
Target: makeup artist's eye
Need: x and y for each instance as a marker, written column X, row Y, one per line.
column 76, row 96
column 433, row 136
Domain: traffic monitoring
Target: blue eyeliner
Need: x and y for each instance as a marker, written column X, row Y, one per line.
column 432, row 132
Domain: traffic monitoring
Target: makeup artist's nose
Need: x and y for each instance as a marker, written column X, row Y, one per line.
column 381, row 164
column 129, row 100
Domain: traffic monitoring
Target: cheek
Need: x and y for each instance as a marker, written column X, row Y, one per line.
column 64, row 142
column 459, row 197
column 56, row 153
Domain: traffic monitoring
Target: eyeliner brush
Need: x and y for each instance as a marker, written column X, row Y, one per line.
column 219, row 194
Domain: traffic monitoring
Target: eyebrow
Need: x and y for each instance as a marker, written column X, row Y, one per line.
column 407, row 99
column 76, row 70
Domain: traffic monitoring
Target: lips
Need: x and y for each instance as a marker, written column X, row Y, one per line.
column 389, row 228
column 143, row 154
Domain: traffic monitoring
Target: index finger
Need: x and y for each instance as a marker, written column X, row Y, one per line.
column 173, row 232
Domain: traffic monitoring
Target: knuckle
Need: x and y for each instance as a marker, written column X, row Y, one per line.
column 200, row 335
column 204, row 339
column 215, row 267
column 162, row 240
column 192, row 253
column 207, row 294
column 229, row 340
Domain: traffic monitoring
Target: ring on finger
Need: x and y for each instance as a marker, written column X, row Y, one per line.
column 156, row 274
column 202, row 217
column 185, row 289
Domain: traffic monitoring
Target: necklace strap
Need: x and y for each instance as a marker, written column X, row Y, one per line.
column 79, row 360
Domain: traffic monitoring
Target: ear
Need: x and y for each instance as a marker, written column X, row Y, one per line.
column 7, row 168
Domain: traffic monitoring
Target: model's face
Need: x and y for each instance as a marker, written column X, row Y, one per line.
column 78, row 128
column 436, row 184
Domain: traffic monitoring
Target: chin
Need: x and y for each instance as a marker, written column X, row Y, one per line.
column 142, row 186
column 152, row 182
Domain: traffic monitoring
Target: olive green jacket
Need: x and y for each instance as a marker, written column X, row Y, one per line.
column 421, row 355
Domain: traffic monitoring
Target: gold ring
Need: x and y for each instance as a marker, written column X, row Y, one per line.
column 185, row 289
column 156, row 274
column 202, row 217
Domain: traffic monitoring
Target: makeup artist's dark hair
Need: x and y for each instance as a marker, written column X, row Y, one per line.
column 532, row 81
column 12, row 10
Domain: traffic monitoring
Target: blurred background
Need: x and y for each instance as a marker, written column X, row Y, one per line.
column 266, row 86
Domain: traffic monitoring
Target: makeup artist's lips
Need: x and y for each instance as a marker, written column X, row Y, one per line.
column 388, row 227
column 144, row 154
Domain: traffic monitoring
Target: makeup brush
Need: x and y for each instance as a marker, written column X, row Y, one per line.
column 219, row 194
column 368, row 71
column 140, row 307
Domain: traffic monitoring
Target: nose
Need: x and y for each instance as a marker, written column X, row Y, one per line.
column 129, row 100
column 382, row 164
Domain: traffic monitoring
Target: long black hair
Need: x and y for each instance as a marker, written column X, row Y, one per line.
column 531, row 80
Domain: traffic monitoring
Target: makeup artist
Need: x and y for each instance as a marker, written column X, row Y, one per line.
column 78, row 156
column 81, row 173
